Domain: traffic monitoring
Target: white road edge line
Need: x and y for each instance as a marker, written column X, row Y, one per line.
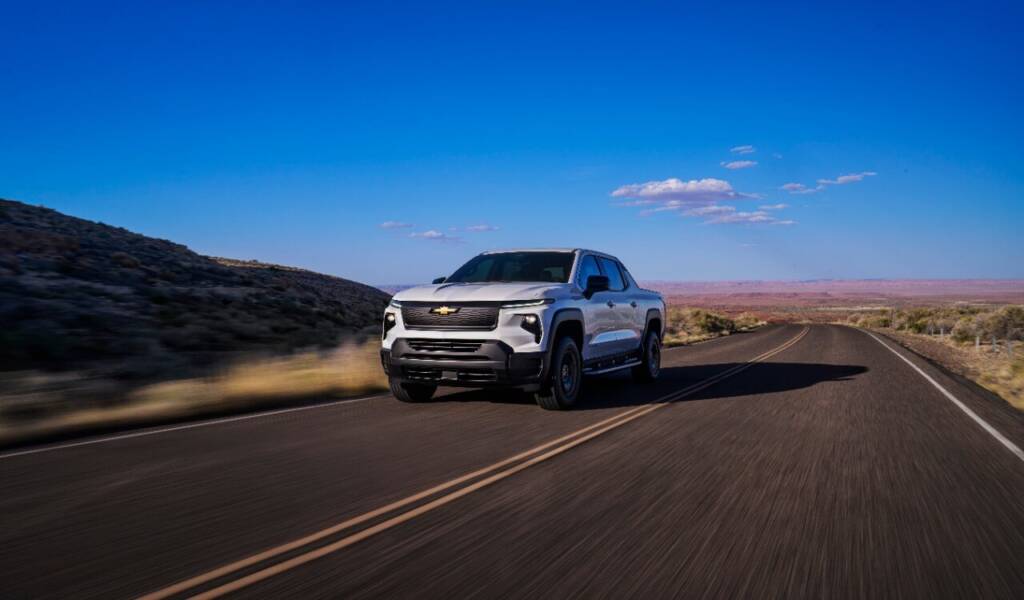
column 207, row 423
column 970, row 413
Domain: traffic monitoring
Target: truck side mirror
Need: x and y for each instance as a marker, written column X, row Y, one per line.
column 439, row 280
column 595, row 284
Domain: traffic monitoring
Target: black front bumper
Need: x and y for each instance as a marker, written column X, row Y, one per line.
column 467, row 363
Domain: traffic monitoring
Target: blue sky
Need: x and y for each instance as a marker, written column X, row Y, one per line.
column 290, row 134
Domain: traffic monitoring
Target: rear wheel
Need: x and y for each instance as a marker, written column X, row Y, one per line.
column 650, row 366
column 411, row 392
column 565, row 374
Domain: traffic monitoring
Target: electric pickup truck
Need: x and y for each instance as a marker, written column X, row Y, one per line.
column 537, row 320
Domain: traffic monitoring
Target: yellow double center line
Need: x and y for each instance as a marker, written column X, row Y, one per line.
column 529, row 458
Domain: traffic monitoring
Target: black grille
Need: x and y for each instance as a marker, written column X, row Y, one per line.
column 435, row 374
column 467, row 317
column 444, row 345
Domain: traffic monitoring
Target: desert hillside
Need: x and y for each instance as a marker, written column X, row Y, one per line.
column 74, row 293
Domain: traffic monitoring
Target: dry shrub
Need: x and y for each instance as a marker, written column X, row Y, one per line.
column 352, row 368
column 47, row 404
column 689, row 325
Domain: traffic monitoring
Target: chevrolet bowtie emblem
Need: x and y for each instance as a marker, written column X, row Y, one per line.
column 444, row 311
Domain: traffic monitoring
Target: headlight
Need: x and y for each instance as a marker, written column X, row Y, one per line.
column 390, row 320
column 527, row 303
column 395, row 303
column 532, row 324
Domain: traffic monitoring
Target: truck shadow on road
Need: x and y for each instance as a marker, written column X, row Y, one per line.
column 610, row 391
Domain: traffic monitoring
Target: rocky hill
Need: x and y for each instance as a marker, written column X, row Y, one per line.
column 74, row 294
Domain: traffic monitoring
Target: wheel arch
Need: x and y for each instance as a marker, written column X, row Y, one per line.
column 655, row 322
column 567, row 321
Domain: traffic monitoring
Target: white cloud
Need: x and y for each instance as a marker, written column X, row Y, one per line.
column 778, row 206
column 844, row 179
column 395, row 225
column 739, row 164
column 696, row 191
column 482, row 227
column 745, row 149
column 435, row 235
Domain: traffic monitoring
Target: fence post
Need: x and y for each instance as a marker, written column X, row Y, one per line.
column 977, row 344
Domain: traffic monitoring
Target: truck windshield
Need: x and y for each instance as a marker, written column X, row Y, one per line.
column 553, row 267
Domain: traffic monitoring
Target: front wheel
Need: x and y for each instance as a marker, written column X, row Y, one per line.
column 411, row 392
column 650, row 366
column 565, row 374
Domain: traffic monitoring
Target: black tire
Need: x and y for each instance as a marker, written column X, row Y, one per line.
column 650, row 365
column 411, row 392
column 565, row 376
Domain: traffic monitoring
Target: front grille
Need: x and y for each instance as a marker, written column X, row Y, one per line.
column 435, row 374
column 418, row 316
column 422, row 374
column 444, row 345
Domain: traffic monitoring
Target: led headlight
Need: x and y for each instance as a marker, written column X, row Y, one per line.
column 390, row 320
column 532, row 324
column 527, row 303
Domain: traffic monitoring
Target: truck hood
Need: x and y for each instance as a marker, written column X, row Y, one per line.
column 482, row 292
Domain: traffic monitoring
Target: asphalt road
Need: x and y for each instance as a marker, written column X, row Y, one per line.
column 789, row 462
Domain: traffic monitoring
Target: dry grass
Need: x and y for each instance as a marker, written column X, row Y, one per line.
column 351, row 369
column 1003, row 376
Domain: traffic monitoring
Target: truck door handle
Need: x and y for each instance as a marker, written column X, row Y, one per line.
column 611, row 304
column 633, row 304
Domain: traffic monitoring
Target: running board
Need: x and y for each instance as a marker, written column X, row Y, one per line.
column 610, row 369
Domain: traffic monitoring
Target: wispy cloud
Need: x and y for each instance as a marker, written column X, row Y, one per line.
column 778, row 206
column 707, row 211
column 748, row 218
column 695, row 191
column 799, row 188
column 721, row 214
column 395, row 225
column 482, row 227
column 739, row 164
column 640, row 202
column 745, row 149
column 669, row 205
column 850, row 178
column 435, row 235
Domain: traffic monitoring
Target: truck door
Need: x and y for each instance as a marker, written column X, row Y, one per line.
column 598, row 315
column 624, row 308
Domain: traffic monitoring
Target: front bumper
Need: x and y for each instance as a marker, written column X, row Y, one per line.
column 462, row 362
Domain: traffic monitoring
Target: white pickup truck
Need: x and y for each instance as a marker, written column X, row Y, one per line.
column 537, row 320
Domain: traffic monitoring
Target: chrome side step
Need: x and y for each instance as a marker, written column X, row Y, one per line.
column 610, row 369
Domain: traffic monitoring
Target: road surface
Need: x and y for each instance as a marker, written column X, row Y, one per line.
column 789, row 462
